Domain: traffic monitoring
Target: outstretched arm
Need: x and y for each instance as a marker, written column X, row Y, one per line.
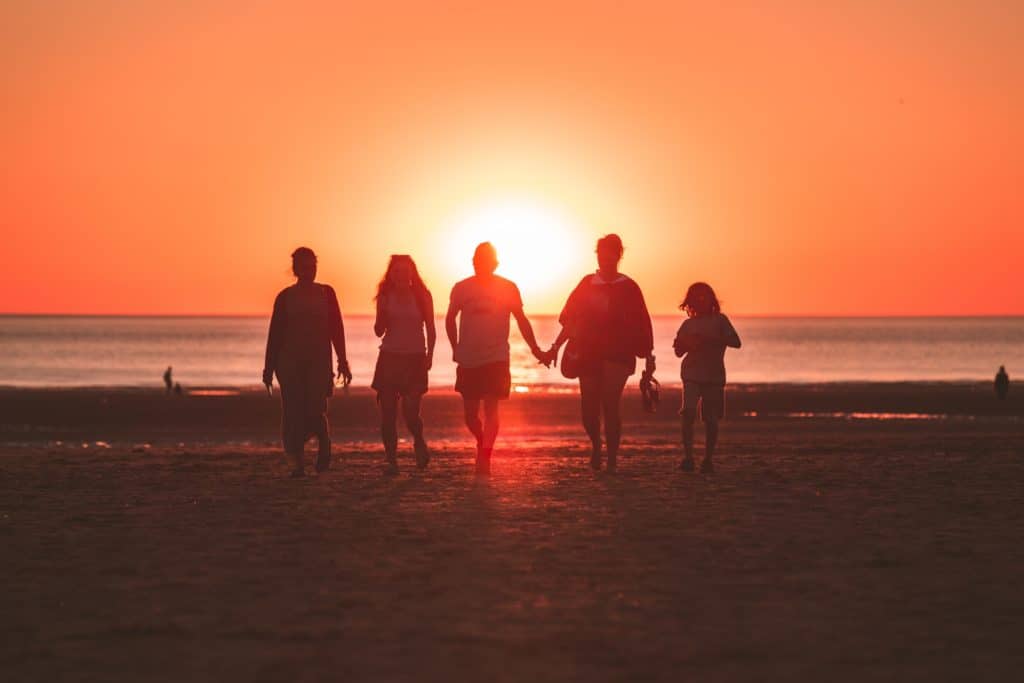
column 527, row 331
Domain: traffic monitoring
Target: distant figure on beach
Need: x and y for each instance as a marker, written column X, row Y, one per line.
column 405, row 323
column 701, row 342
column 477, row 324
column 305, row 324
column 606, row 322
column 168, row 382
column 177, row 389
column 1002, row 383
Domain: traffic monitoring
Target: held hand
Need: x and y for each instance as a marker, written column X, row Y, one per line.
column 344, row 374
column 268, row 379
column 542, row 357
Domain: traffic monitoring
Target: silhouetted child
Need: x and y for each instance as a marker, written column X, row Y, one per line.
column 701, row 343
column 1002, row 383
column 177, row 389
column 167, row 379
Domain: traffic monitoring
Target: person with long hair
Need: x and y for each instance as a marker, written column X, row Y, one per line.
column 477, row 324
column 701, row 342
column 305, row 324
column 608, row 327
column 405, row 324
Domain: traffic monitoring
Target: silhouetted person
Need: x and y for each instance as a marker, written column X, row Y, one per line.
column 305, row 323
column 608, row 327
column 482, row 305
column 1002, row 383
column 701, row 342
column 405, row 322
column 178, row 391
column 168, row 382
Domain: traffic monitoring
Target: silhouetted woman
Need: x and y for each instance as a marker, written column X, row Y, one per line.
column 405, row 323
column 608, row 326
column 305, row 323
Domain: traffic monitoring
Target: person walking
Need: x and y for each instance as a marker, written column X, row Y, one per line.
column 405, row 324
column 477, row 324
column 305, row 324
column 701, row 342
column 606, row 322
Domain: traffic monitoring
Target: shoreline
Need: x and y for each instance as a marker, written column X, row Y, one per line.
column 138, row 415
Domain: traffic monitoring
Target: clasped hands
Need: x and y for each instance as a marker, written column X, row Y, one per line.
column 546, row 358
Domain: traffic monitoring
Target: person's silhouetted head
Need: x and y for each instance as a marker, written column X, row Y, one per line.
column 700, row 300
column 609, row 252
column 485, row 259
column 304, row 264
column 402, row 273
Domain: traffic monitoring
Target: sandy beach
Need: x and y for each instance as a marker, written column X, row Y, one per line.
column 851, row 532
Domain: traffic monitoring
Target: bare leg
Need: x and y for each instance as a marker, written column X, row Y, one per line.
column 388, row 429
column 710, row 441
column 411, row 413
column 323, row 435
column 611, row 404
column 471, row 406
column 590, row 407
column 491, row 423
column 687, row 464
column 293, row 427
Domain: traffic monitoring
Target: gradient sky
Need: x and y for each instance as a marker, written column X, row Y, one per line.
column 813, row 158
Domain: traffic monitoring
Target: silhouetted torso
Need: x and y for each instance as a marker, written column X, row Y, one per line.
column 485, row 304
column 305, row 319
column 405, row 332
column 706, row 362
column 609, row 320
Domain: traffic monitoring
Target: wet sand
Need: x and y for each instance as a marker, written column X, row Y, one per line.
column 171, row 547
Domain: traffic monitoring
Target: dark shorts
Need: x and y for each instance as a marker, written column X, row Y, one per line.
column 487, row 381
column 707, row 399
column 402, row 373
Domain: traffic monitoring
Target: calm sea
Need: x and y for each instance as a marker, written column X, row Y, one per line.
column 210, row 351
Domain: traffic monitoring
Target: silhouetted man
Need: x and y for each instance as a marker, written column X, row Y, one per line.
column 483, row 303
column 1002, row 383
column 167, row 379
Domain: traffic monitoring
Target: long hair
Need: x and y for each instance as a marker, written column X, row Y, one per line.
column 419, row 288
column 692, row 301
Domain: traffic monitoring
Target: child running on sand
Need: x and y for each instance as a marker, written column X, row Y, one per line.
column 701, row 342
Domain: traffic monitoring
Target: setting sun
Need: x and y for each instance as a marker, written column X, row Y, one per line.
column 539, row 247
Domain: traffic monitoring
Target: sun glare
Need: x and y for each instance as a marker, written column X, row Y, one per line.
column 539, row 247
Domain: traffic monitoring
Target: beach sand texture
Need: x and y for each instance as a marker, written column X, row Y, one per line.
column 826, row 548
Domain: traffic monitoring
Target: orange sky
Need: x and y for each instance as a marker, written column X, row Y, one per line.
column 816, row 158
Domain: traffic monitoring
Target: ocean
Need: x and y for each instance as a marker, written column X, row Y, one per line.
column 80, row 351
